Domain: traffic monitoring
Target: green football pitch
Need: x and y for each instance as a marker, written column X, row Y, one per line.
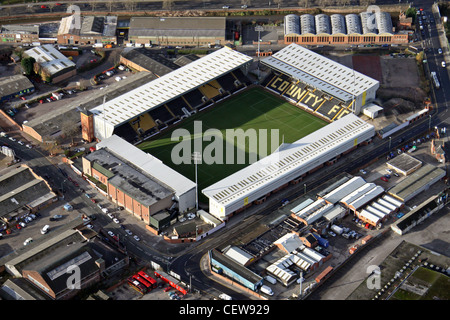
column 252, row 111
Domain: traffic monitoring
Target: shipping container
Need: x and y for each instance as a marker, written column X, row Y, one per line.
column 366, row 239
column 325, row 273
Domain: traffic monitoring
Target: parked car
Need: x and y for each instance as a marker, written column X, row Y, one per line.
column 384, row 179
column 57, row 216
column 111, row 233
column 387, row 176
column 136, row 238
column 128, row 232
column 116, row 220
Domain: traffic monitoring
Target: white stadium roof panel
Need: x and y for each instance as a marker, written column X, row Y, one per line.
column 171, row 85
column 320, row 72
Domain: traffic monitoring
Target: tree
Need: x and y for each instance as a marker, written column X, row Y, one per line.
column 28, row 65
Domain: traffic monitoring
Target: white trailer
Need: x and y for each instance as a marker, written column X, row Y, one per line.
column 336, row 229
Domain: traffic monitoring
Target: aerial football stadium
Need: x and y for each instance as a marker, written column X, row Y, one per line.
column 303, row 114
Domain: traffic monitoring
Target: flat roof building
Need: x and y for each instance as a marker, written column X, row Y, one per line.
column 14, row 86
column 417, row 182
column 404, row 164
column 182, row 188
column 173, row 31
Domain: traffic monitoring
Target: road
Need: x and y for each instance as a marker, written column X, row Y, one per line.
column 130, row 6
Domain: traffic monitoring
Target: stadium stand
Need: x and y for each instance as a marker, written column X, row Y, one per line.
column 177, row 106
column 194, row 98
column 161, row 113
column 241, row 77
column 308, row 98
column 227, row 82
column 211, row 89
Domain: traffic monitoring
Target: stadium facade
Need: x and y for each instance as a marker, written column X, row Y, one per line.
column 318, row 84
column 354, row 29
column 290, row 163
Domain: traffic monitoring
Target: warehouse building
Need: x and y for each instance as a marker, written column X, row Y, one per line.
column 142, row 59
column 182, row 188
column 52, row 65
column 404, row 164
column 177, row 31
column 419, row 213
column 22, row 192
column 339, row 192
column 15, row 86
column 278, row 169
column 45, row 265
column 353, row 29
column 234, row 271
column 417, row 182
column 319, row 84
column 87, row 30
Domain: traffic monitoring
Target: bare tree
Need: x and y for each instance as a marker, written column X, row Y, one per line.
column 303, row 3
column 168, row 5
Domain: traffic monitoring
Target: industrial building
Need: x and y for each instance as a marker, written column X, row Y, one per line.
column 144, row 109
column 48, row 273
column 234, row 270
column 287, row 164
column 143, row 59
column 420, row 213
column 87, row 30
column 53, row 66
column 177, row 31
column 404, row 164
column 337, row 29
column 22, row 191
column 417, row 182
column 15, row 86
column 319, row 84
column 149, row 168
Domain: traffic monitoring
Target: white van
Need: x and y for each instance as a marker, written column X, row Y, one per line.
column 270, row 279
column 267, row 290
column 29, row 240
column 45, row 229
column 98, row 45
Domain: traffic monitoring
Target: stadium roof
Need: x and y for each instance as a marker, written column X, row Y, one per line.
column 322, row 143
column 320, row 72
column 148, row 164
column 170, row 86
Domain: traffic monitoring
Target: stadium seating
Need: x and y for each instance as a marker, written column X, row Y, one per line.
column 126, row 131
column 227, row 82
column 161, row 114
column 194, row 98
column 177, row 105
column 239, row 75
column 211, row 89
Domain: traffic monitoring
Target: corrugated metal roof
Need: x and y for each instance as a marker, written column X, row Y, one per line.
column 170, row 86
column 149, row 164
column 320, row 72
